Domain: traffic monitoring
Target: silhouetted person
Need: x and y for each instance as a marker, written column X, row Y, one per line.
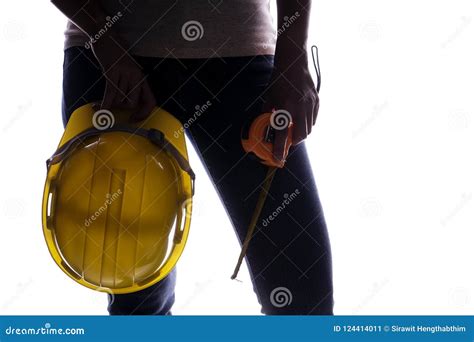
column 215, row 65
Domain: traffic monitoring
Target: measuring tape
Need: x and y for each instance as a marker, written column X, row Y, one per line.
column 258, row 139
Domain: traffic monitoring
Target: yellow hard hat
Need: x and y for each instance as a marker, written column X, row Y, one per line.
column 117, row 200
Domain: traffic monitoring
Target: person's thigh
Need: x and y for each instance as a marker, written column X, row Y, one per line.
column 83, row 83
column 289, row 256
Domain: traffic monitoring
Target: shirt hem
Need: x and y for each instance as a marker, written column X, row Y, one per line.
column 183, row 53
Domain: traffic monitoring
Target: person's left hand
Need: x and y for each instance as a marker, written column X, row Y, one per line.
column 291, row 90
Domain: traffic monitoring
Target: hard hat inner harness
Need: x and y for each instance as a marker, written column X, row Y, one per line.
column 155, row 136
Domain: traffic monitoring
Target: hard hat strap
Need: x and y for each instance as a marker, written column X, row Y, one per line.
column 155, row 136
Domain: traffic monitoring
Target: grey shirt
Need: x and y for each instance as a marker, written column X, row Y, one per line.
column 187, row 28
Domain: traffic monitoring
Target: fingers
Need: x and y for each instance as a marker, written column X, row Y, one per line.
column 312, row 108
column 111, row 89
column 130, row 92
column 309, row 119
column 146, row 103
column 281, row 118
column 300, row 130
column 132, row 95
column 279, row 143
column 305, row 119
column 122, row 99
column 315, row 111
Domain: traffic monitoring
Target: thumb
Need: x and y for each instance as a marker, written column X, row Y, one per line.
column 279, row 144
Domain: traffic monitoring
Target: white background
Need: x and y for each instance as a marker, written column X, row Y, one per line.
column 392, row 154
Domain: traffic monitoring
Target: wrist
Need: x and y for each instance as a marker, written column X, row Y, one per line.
column 107, row 42
column 294, row 37
column 290, row 57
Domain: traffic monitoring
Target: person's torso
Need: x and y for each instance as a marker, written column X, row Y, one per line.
column 187, row 28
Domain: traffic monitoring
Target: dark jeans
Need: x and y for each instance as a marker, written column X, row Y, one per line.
column 289, row 257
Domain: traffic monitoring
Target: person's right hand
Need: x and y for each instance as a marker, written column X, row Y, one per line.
column 126, row 84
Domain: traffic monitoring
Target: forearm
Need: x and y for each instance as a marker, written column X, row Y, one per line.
column 87, row 15
column 293, row 24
